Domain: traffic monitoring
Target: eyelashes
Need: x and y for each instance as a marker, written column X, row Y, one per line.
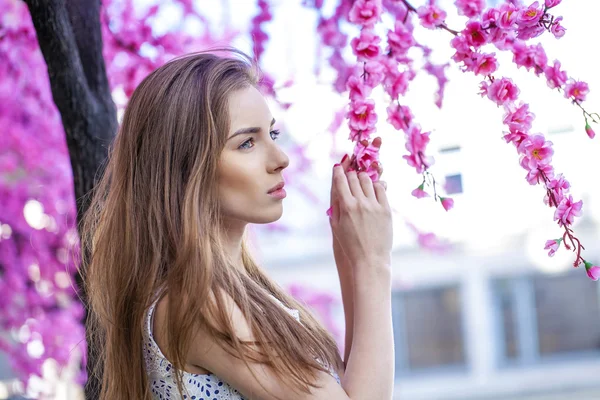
column 275, row 134
column 248, row 144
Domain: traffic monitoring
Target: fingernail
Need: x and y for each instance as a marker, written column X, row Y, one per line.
column 350, row 169
column 345, row 157
column 336, row 165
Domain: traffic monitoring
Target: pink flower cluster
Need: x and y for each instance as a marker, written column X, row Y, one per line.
column 507, row 27
column 394, row 71
column 362, row 117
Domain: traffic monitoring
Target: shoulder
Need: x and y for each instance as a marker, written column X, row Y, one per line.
column 159, row 333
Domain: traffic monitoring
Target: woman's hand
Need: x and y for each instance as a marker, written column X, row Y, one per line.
column 361, row 219
column 341, row 260
column 344, row 268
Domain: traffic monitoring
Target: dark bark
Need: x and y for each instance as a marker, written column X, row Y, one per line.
column 70, row 38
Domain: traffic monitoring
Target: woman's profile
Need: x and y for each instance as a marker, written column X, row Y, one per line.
column 177, row 306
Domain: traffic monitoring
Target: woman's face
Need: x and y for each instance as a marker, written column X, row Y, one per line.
column 251, row 163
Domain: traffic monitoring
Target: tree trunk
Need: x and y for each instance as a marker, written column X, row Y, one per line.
column 70, row 38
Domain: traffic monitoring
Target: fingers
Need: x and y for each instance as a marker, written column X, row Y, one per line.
column 340, row 186
column 346, row 162
column 354, row 183
column 366, row 185
column 380, row 188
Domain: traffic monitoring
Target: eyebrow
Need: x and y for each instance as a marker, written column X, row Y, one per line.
column 253, row 129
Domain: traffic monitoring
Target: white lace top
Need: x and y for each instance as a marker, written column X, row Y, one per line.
column 199, row 386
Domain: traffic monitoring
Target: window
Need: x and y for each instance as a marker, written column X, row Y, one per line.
column 451, row 163
column 429, row 330
column 567, row 313
column 546, row 317
column 453, row 184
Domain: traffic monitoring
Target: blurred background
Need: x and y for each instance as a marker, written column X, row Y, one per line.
column 480, row 310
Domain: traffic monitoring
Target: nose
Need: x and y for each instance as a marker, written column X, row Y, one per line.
column 278, row 160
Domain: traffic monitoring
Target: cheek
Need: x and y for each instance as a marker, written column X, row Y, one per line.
column 237, row 185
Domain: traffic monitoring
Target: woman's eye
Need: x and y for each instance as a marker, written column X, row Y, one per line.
column 275, row 134
column 248, row 144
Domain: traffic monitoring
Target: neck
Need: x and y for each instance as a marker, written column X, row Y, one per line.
column 233, row 235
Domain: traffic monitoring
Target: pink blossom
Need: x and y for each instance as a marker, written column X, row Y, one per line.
column 358, row 90
column 508, row 16
column 590, row 132
column 567, row 210
column 431, row 16
column 552, row 245
column 577, row 90
column 366, row 46
column 416, row 143
column 537, row 175
column 515, row 137
column 330, row 33
column 447, row 203
column 559, row 183
column 501, row 91
column 485, row 64
column 397, row 84
column 399, row 116
column 429, row 240
column 419, row 192
column 537, row 151
column 530, row 32
column 474, row 34
column 366, row 154
column 552, row 3
column 518, row 118
column 557, row 29
column 531, row 15
column 362, row 115
column 530, row 57
column 490, row 17
column 470, row 8
column 365, row 12
column 463, row 51
column 400, row 39
column 556, row 188
column 593, row 271
column 374, row 73
column 555, row 77
column 496, row 34
column 360, row 134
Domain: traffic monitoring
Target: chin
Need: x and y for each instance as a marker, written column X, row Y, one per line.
column 267, row 219
column 267, row 216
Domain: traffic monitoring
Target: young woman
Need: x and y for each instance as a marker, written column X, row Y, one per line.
column 178, row 308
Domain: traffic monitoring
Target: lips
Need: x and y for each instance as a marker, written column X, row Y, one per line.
column 279, row 186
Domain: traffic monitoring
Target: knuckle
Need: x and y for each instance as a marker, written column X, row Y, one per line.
column 348, row 207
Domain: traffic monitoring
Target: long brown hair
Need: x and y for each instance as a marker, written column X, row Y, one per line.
column 154, row 226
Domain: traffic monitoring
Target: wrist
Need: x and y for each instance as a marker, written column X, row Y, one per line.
column 382, row 262
column 376, row 270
